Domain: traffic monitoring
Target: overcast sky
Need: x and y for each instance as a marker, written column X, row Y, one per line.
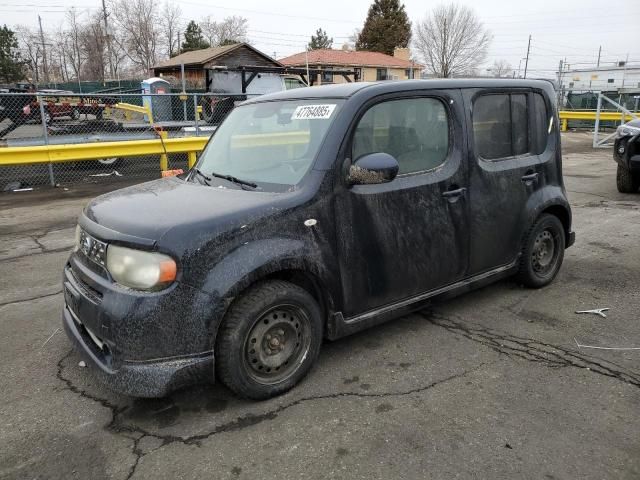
column 570, row 28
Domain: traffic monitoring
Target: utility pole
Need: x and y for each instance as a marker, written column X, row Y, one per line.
column 108, row 37
column 44, row 53
column 526, row 63
column 599, row 52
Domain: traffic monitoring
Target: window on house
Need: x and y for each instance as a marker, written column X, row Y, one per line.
column 610, row 80
column 408, row 73
column 327, row 76
column 501, row 126
column 414, row 131
column 381, row 74
column 358, row 72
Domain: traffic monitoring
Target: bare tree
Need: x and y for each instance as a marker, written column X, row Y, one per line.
column 75, row 55
column 501, row 69
column 233, row 29
column 209, row 29
column 230, row 30
column 30, row 49
column 93, row 45
column 451, row 41
column 171, row 20
column 58, row 63
column 137, row 33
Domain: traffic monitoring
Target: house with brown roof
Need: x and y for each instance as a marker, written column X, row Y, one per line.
column 369, row 66
column 197, row 63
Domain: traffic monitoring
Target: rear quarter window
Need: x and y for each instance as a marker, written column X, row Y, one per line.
column 506, row 125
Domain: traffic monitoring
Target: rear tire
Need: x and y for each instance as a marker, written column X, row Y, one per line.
column 269, row 340
column 542, row 252
column 626, row 181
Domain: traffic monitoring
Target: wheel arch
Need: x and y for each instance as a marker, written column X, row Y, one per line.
column 563, row 214
column 292, row 260
column 552, row 200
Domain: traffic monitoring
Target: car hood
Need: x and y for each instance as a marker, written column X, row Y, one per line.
column 149, row 210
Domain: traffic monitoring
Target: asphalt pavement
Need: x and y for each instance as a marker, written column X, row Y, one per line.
column 488, row 385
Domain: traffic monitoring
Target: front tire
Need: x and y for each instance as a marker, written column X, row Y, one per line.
column 542, row 253
column 269, row 340
column 626, row 181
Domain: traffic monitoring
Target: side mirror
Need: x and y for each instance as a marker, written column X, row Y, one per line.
column 373, row 168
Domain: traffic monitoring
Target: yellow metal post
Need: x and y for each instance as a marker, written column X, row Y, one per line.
column 565, row 123
column 191, row 159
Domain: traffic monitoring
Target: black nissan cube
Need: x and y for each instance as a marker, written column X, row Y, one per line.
column 312, row 214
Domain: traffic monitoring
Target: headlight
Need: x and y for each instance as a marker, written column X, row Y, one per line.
column 76, row 244
column 138, row 269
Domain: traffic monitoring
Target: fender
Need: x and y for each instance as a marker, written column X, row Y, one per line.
column 546, row 198
column 256, row 260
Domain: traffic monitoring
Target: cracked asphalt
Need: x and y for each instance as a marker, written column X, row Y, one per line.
column 487, row 385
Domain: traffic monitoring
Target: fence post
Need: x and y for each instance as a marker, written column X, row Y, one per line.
column 45, row 135
column 597, row 126
column 196, row 116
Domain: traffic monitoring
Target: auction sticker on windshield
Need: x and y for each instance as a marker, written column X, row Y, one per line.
column 313, row 112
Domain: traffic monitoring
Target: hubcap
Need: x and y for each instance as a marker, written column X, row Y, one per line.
column 277, row 344
column 543, row 252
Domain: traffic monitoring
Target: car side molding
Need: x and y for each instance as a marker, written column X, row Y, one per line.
column 339, row 326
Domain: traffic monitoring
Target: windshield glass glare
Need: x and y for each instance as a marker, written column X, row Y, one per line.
column 271, row 142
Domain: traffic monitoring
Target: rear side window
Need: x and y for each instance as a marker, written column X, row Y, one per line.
column 492, row 126
column 506, row 125
column 541, row 119
column 519, row 124
column 415, row 131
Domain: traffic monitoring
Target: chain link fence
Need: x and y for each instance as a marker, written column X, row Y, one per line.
column 63, row 118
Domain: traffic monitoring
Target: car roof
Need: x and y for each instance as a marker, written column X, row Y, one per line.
column 345, row 90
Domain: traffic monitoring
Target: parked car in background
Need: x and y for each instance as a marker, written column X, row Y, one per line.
column 626, row 152
column 315, row 213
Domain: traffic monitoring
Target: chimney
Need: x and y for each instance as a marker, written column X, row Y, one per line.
column 402, row 53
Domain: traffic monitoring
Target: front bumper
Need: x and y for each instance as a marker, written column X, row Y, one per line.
column 150, row 379
column 139, row 343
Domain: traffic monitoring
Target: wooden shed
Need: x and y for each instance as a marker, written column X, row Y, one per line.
column 197, row 62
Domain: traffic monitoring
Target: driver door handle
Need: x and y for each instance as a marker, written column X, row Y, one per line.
column 530, row 178
column 451, row 194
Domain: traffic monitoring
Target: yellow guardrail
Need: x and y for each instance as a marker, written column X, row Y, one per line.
column 566, row 115
column 93, row 151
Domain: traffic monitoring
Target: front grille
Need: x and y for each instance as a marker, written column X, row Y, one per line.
column 94, row 249
column 91, row 293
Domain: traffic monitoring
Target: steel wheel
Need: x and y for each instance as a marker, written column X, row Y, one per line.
column 277, row 344
column 543, row 253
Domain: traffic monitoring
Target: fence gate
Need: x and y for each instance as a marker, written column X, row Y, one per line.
column 605, row 141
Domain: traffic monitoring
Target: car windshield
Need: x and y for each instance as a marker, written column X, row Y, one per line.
column 272, row 144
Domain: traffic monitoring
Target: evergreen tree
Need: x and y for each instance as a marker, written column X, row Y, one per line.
column 387, row 26
column 11, row 64
column 193, row 38
column 320, row 40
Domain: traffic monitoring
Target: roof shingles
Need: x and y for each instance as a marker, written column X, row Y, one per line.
column 347, row 58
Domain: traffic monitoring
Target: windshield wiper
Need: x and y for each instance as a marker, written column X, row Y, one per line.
column 206, row 178
column 230, row 178
column 236, row 180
